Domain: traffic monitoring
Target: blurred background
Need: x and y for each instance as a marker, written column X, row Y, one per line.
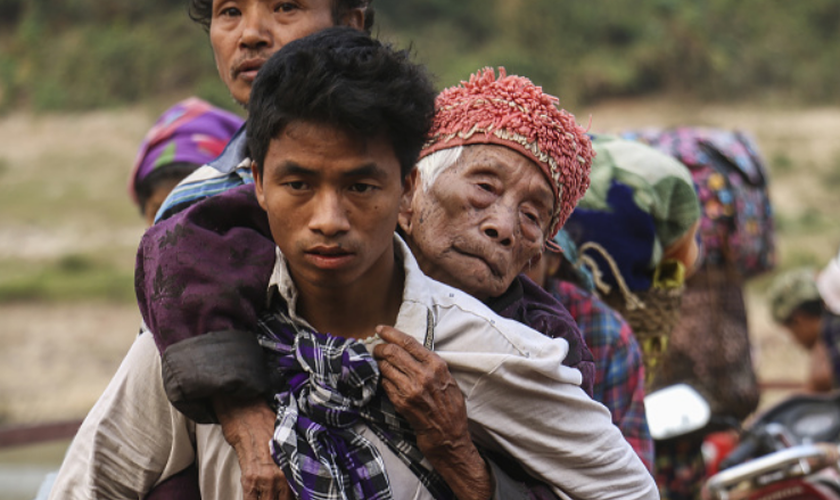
column 81, row 81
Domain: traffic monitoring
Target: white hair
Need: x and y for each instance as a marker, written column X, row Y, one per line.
column 431, row 166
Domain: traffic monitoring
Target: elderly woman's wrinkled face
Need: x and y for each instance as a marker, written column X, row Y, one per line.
column 481, row 221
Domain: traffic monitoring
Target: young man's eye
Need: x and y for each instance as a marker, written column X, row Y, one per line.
column 362, row 188
column 296, row 185
column 229, row 12
column 286, row 7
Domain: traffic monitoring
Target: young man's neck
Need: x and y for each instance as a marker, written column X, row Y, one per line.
column 355, row 311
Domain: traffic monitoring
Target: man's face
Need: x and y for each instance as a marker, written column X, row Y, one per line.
column 332, row 202
column 245, row 33
column 482, row 220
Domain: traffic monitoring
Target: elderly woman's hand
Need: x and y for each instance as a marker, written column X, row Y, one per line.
column 418, row 383
column 248, row 428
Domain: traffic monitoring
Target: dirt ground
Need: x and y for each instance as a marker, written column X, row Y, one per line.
column 63, row 180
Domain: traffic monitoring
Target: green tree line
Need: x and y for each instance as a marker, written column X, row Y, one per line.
column 82, row 54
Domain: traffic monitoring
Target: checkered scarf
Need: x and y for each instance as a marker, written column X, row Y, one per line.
column 327, row 385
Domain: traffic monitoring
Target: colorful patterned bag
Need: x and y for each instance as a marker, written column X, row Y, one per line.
column 731, row 180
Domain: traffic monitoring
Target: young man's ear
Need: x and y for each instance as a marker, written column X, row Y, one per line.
column 258, row 183
column 407, row 201
column 355, row 18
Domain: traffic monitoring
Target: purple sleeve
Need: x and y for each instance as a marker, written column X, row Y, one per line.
column 181, row 486
column 201, row 278
column 539, row 310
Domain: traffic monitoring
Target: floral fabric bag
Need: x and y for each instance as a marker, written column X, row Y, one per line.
column 737, row 227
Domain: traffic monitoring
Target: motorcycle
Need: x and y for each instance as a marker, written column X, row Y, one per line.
column 679, row 419
column 789, row 452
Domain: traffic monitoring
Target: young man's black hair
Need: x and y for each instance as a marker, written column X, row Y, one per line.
column 201, row 11
column 359, row 85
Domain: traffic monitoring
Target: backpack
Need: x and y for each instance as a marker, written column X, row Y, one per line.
column 736, row 227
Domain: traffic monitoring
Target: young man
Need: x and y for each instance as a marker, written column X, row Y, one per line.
column 339, row 168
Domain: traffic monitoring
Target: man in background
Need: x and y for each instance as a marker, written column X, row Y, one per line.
column 797, row 306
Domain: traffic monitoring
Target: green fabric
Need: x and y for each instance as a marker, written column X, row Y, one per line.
column 167, row 156
column 662, row 186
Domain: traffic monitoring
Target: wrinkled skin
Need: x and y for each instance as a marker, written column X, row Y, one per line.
column 248, row 428
column 481, row 222
column 418, row 383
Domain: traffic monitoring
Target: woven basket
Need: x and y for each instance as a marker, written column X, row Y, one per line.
column 652, row 322
column 652, row 314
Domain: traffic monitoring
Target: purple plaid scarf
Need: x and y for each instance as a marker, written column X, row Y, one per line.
column 326, row 385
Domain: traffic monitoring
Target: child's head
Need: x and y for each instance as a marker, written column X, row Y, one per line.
column 795, row 303
column 185, row 137
column 343, row 78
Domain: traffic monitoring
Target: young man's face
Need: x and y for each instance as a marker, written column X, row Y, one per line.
column 245, row 33
column 332, row 202
column 482, row 220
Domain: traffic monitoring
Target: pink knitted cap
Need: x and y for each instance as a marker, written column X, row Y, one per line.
column 515, row 113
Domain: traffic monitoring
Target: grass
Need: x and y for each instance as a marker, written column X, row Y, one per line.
column 68, row 229
column 71, row 277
